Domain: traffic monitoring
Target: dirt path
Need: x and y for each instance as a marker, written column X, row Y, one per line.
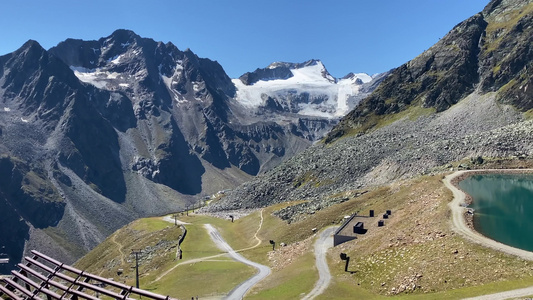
column 322, row 244
column 171, row 220
column 263, row 271
column 506, row 295
column 459, row 224
column 119, row 247
column 190, row 261
column 255, row 236
column 240, row 289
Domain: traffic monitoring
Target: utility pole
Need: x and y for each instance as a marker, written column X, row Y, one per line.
column 136, row 252
column 175, row 219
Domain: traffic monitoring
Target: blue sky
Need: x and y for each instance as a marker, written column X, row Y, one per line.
column 347, row 35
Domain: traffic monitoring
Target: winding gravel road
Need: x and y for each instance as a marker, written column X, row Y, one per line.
column 322, row 244
column 238, row 292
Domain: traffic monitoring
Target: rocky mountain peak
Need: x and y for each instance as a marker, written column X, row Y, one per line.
column 124, row 37
column 500, row 8
column 311, row 62
column 283, row 70
column 30, row 44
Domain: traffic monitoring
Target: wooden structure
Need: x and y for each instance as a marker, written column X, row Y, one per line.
column 42, row 277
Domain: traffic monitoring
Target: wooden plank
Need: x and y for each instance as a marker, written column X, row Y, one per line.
column 125, row 288
column 9, row 293
column 37, row 286
column 82, row 294
column 40, row 276
column 73, row 281
column 56, row 262
column 21, row 289
column 45, row 279
column 50, row 270
column 100, row 290
column 150, row 294
column 90, row 276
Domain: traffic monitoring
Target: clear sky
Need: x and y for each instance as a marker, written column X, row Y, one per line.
column 369, row 36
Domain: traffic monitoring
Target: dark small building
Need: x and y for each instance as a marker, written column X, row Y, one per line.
column 359, row 228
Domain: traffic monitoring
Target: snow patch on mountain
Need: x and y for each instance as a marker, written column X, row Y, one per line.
column 170, row 81
column 94, row 77
column 102, row 78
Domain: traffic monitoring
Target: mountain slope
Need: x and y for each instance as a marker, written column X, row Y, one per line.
column 436, row 109
column 98, row 133
column 43, row 106
column 489, row 52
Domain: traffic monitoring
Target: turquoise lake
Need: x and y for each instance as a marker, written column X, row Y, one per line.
column 503, row 206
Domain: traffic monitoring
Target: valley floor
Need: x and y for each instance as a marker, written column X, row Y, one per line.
column 416, row 255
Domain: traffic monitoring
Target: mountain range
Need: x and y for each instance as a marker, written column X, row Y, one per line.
column 98, row 133
column 466, row 99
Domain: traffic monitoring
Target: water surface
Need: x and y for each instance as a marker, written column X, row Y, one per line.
column 503, row 206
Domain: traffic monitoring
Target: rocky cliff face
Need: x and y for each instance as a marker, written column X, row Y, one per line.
column 40, row 101
column 462, row 98
column 506, row 52
column 489, row 52
column 185, row 99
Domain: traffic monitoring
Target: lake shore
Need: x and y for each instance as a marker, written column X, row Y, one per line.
column 460, row 223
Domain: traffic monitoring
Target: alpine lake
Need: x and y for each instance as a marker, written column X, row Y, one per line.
column 503, row 207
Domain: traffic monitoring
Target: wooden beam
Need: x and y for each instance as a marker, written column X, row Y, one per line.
column 6, row 291
column 37, row 286
column 22, row 289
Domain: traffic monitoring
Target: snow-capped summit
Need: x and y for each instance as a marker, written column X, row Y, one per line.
column 284, row 70
column 305, row 89
column 358, row 78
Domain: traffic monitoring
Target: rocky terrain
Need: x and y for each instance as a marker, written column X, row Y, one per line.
column 95, row 134
column 436, row 109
